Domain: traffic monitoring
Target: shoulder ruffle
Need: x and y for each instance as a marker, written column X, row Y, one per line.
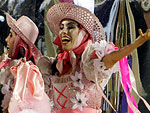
column 44, row 65
column 91, row 66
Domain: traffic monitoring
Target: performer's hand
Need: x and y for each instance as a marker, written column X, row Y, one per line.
column 146, row 35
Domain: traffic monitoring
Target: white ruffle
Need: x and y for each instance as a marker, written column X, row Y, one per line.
column 28, row 111
column 90, row 65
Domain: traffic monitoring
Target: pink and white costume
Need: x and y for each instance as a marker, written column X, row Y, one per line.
column 28, row 94
column 81, row 90
column 77, row 92
column 26, row 34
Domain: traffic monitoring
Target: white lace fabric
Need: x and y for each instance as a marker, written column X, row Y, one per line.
column 7, row 81
column 89, row 64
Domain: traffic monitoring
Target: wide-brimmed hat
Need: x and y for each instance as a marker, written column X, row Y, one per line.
column 83, row 16
column 26, row 29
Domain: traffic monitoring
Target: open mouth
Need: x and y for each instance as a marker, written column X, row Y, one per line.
column 65, row 40
column 8, row 48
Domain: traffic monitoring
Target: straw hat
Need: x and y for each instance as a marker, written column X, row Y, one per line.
column 83, row 16
column 26, row 29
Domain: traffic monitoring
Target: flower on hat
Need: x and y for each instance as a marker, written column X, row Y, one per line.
column 77, row 78
column 79, row 101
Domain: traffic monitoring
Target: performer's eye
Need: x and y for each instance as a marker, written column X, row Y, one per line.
column 10, row 34
column 61, row 27
column 71, row 27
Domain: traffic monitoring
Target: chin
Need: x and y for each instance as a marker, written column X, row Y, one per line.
column 67, row 48
column 9, row 55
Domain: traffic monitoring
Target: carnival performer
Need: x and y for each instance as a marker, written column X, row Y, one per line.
column 76, row 78
column 23, row 86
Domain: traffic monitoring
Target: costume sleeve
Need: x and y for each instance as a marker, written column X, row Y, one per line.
column 7, row 81
column 92, row 64
column 5, row 74
column 45, row 66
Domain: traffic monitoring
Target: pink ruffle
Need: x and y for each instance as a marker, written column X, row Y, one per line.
column 85, row 110
column 40, row 106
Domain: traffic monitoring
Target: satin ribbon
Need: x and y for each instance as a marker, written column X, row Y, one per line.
column 5, row 63
column 135, row 60
column 126, row 83
column 27, row 77
column 112, row 20
column 64, row 63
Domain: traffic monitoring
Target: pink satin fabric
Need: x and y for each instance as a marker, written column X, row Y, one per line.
column 85, row 110
column 28, row 92
column 28, row 76
column 126, row 83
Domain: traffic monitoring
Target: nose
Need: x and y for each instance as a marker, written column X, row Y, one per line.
column 7, row 39
column 65, row 31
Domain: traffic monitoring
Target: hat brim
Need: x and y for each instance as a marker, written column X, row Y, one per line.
column 11, row 23
column 83, row 16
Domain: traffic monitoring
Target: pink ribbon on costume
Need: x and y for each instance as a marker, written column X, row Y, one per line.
column 4, row 63
column 27, row 77
column 126, row 83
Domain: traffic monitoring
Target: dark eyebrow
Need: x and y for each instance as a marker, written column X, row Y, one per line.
column 72, row 23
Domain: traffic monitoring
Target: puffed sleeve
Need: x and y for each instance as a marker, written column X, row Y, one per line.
column 92, row 64
column 45, row 66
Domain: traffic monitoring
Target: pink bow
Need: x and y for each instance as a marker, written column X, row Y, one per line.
column 27, row 77
column 4, row 63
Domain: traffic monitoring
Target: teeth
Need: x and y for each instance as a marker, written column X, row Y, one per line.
column 65, row 39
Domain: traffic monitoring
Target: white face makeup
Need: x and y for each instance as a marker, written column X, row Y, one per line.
column 69, row 31
column 10, row 42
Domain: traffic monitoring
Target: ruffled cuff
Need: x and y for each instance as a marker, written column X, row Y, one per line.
column 91, row 61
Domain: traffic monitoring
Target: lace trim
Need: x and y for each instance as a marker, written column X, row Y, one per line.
column 89, row 64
